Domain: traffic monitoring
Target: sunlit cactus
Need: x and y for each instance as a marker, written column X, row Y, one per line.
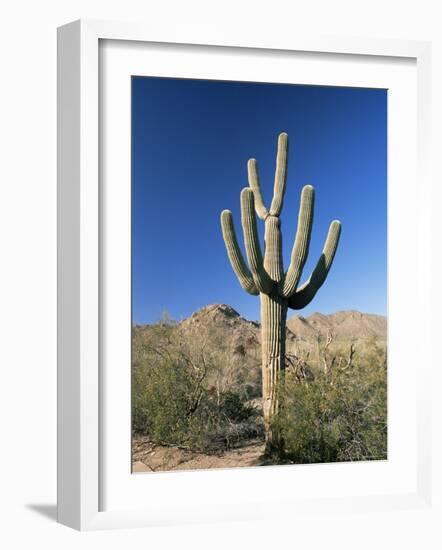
column 265, row 275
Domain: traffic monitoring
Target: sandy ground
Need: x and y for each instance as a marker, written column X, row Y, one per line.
column 148, row 457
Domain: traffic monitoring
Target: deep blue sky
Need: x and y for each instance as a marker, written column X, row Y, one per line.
column 191, row 140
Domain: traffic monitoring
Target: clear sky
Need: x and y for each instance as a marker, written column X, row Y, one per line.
column 191, row 140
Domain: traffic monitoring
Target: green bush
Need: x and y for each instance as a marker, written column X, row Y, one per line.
column 184, row 394
column 340, row 416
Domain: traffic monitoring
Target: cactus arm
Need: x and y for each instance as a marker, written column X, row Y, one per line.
column 280, row 175
column 252, row 170
column 251, row 240
column 273, row 263
column 305, row 294
column 301, row 244
column 234, row 253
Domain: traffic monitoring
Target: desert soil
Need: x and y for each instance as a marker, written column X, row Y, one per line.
column 147, row 457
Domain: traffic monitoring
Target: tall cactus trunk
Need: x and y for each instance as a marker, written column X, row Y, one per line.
column 273, row 318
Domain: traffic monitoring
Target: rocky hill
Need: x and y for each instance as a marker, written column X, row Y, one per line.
column 223, row 320
column 220, row 315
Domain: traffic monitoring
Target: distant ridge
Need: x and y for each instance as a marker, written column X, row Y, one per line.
column 343, row 325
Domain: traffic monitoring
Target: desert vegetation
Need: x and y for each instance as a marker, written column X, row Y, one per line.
column 190, row 391
column 197, row 387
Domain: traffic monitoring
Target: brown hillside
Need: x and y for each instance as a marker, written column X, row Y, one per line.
column 343, row 325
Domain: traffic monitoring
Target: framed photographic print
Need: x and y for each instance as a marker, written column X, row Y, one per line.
column 235, row 265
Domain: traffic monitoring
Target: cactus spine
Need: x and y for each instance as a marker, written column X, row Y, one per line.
column 278, row 290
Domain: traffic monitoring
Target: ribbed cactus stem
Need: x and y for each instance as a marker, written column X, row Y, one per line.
column 234, row 253
column 252, row 170
column 273, row 249
column 280, row 175
column 278, row 290
column 302, row 242
column 253, row 249
column 273, row 319
column 305, row 293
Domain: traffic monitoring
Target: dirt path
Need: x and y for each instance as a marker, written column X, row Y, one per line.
column 148, row 457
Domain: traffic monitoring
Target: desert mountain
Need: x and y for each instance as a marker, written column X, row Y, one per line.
column 220, row 321
column 227, row 321
column 343, row 325
column 221, row 315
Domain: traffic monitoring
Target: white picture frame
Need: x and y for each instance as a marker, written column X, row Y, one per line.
column 81, row 473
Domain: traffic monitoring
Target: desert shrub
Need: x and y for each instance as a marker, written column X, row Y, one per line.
column 188, row 393
column 340, row 416
column 190, row 390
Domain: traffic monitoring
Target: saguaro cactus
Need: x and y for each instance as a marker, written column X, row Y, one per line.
column 278, row 289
